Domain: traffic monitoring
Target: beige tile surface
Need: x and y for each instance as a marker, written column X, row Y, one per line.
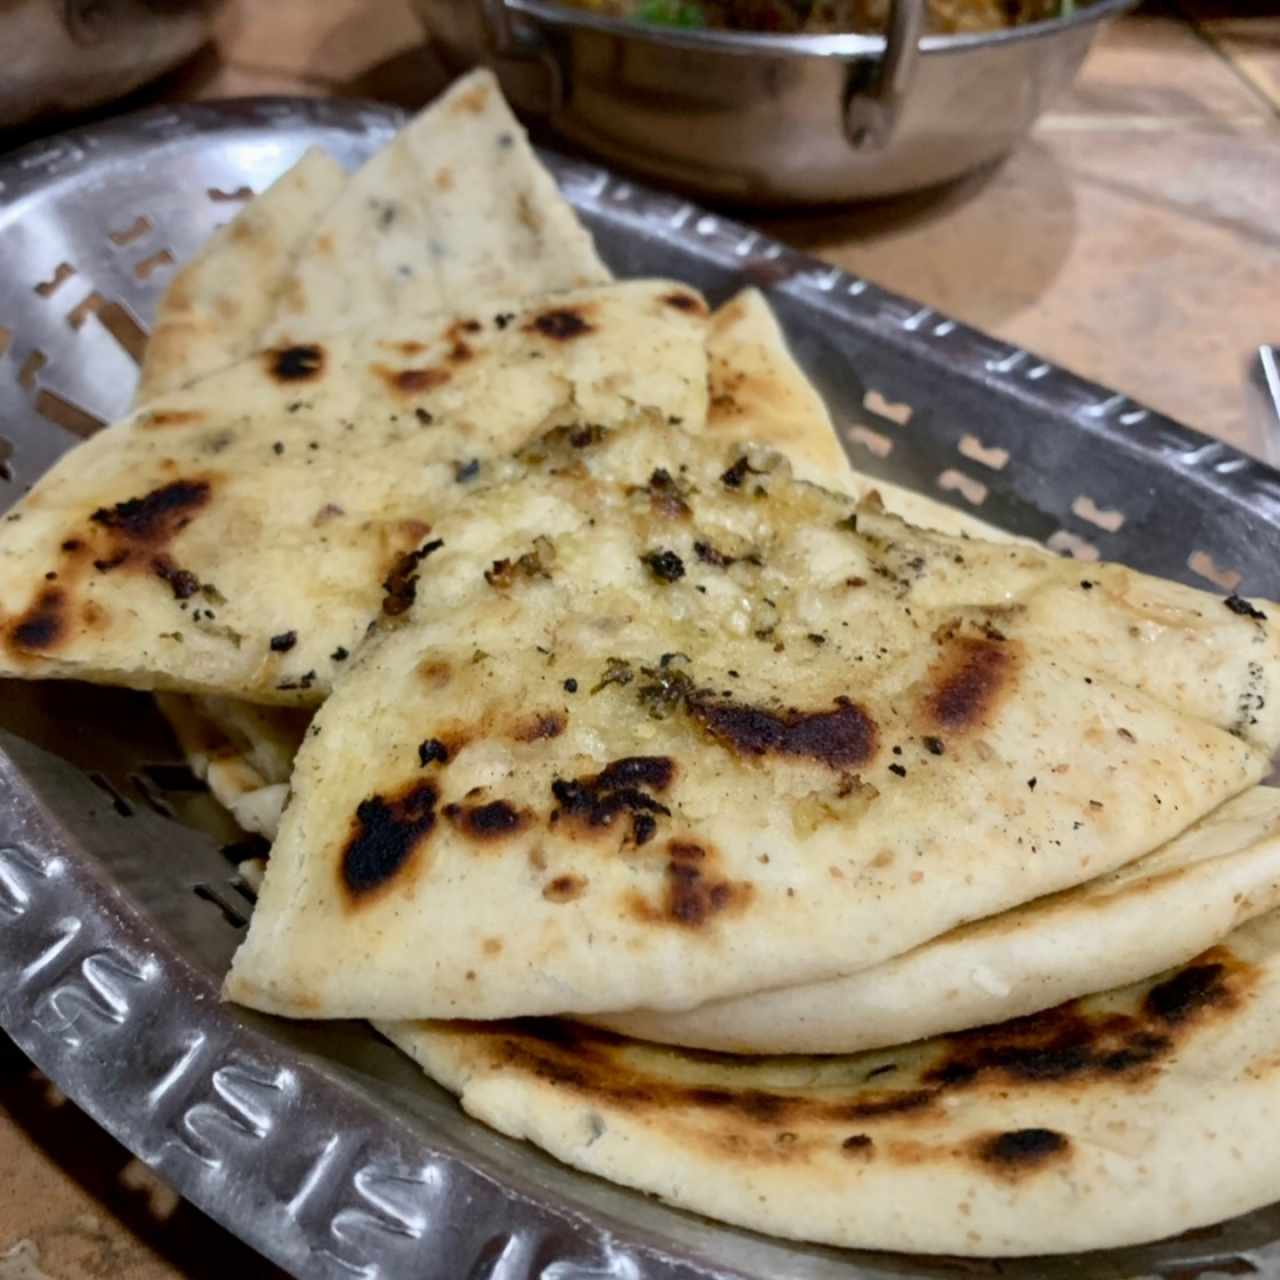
column 1249, row 40
column 1153, row 71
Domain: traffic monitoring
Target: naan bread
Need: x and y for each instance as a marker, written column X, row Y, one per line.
column 243, row 752
column 1151, row 915
column 216, row 308
column 239, row 537
column 666, row 727
column 455, row 209
column 1115, row 1120
column 756, row 391
column 759, row 394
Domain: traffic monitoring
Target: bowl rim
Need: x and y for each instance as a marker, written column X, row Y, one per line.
column 556, row 14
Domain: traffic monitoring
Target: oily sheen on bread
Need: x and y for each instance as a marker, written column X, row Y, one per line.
column 1113, row 1120
column 659, row 734
column 238, row 537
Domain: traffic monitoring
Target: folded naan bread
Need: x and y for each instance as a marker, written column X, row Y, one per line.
column 1114, row 1120
column 239, row 537
column 1151, row 915
column 217, row 307
column 667, row 726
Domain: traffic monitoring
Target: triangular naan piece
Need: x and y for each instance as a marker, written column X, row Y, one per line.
column 455, row 208
column 668, row 726
column 1114, row 1120
column 216, row 308
column 1151, row 915
column 239, row 537
column 760, row 394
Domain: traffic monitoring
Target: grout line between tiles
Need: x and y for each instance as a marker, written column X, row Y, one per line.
column 1207, row 38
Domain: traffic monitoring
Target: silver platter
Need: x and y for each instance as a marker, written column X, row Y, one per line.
column 318, row 1143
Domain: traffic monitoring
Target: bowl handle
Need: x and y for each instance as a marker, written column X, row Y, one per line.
column 874, row 92
column 511, row 38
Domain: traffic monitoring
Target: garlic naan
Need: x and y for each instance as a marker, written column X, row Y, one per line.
column 667, row 726
column 239, row 537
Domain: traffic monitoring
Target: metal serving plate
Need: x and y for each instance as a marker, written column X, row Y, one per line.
column 318, row 1143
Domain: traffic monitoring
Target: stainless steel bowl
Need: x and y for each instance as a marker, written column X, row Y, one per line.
column 772, row 119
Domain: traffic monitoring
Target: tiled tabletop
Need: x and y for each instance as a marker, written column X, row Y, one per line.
column 1135, row 238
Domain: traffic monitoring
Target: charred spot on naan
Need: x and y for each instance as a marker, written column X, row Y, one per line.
column 400, row 587
column 840, row 738
column 968, row 683
column 695, row 893
column 303, row 362
column 592, row 802
column 689, row 303
column 1071, row 1043
column 434, row 673
column 1191, row 991
column 1019, row 1152
column 387, row 835
column 42, row 626
column 488, row 822
column 157, row 418
column 1075, row 1045
column 411, row 382
column 597, row 1066
column 131, row 533
column 157, row 517
column 564, row 888
column 667, row 496
column 562, row 324
column 408, row 347
column 539, row 726
column 460, row 350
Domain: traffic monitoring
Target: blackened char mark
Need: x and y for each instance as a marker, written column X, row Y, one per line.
column 158, row 516
column 386, row 832
column 182, row 582
column 43, row 626
column 401, row 584
column 840, row 738
column 678, row 300
column 1021, row 1150
column 540, row 726
column 410, row 382
column 1238, row 604
column 595, row 800
column 495, row 820
column 564, row 888
column 968, row 683
column 561, row 323
column 695, row 894
column 302, row 363
column 1196, row 987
